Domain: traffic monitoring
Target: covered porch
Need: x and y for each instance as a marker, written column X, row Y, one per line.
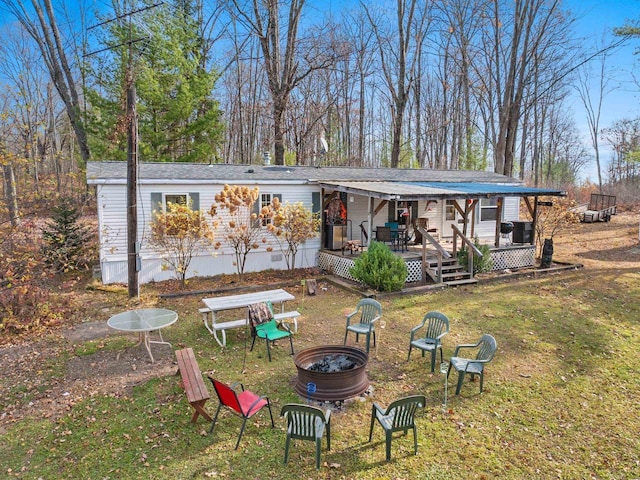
column 435, row 220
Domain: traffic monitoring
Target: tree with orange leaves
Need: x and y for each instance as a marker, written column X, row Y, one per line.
column 177, row 234
column 241, row 225
column 292, row 225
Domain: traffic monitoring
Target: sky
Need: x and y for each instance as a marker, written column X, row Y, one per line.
column 596, row 18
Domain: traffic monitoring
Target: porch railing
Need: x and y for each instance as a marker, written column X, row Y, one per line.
column 441, row 254
column 471, row 250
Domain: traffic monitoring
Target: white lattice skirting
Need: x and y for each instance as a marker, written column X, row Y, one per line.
column 340, row 266
column 513, row 257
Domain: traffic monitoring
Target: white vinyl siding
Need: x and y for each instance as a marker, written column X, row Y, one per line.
column 112, row 216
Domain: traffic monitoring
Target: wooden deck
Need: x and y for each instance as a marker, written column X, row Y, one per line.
column 511, row 257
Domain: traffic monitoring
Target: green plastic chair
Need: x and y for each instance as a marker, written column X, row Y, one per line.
column 486, row 347
column 399, row 415
column 270, row 332
column 436, row 326
column 306, row 423
column 370, row 312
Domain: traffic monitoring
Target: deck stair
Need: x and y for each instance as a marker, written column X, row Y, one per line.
column 452, row 272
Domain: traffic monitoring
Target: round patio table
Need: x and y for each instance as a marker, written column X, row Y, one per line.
column 144, row 321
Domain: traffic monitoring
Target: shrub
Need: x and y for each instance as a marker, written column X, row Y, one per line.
column 380, row 269
column 480, row 264
column 26, row 302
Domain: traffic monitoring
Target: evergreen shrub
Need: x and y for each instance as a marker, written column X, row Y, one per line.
column 380, row 269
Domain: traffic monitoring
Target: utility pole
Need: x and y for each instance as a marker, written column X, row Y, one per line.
column 133, row 246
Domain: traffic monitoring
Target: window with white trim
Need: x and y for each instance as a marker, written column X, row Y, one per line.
column 160, row 200
column 265, row 201
column 488, row 209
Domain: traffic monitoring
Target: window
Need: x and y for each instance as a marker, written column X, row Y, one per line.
column 488, row 209
column 180, row 199
column 450, row 210
column 265, row 201
column 159, row 200
column 403, row 213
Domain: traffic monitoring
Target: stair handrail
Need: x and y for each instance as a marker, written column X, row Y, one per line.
column 440, row 254
column 470, row 251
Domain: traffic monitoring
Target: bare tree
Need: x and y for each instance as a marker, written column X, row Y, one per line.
column 463, row 23
column 399, row 51
column 624, row 137
column 46, row 33
column 521, row 38
column 592, row 96
column 281, row 62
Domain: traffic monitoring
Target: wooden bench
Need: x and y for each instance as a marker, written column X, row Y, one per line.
column 194, row 387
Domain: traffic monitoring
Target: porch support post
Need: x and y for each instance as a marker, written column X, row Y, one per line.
column 322, row 219
column 370, row 220
column 535, row 221
column 498, row 220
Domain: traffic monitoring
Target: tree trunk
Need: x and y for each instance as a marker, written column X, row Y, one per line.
column 10, row 194
column 278, row 133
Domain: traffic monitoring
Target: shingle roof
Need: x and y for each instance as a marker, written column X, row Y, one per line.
column 386, row 183
column 116, row 172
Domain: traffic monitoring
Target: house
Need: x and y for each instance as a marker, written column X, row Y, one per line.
column 354, row 202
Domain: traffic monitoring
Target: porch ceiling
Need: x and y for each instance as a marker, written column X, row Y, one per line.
column 411, row 191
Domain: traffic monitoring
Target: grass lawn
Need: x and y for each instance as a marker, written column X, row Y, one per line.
column 561, row 398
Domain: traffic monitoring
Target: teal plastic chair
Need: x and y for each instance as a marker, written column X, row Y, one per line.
column 398, row 416
column 305, row 422
column 271, row 332
column 486, row 349
column 362, row 320
column 394, row 231
column 428, row 335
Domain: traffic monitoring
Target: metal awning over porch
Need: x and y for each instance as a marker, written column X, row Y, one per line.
column 472, row 192
column 413, row 191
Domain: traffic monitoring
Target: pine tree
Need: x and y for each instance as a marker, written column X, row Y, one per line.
column 179, row 120
column 67, row 242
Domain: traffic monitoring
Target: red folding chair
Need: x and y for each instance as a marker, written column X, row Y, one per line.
column 246, row 403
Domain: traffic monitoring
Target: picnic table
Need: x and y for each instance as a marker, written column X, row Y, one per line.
column 230, row 302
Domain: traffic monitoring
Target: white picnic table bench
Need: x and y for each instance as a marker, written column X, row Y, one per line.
column 230, row 302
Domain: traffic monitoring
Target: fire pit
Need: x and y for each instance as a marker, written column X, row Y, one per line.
column 337, row 371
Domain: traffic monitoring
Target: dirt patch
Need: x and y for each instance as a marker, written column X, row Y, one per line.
column 84, row 332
